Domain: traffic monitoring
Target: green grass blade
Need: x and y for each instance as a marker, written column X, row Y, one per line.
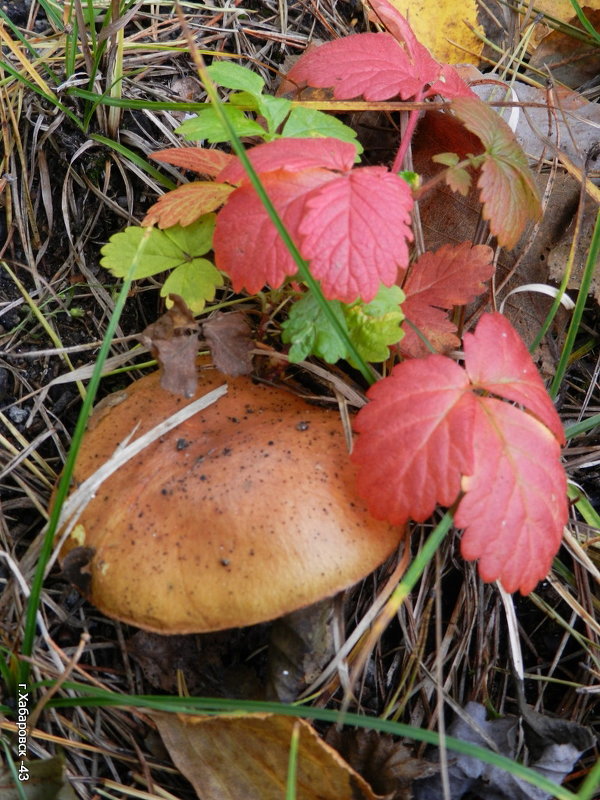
column 583, row 505
column 591, row 784
column 588, row 273
column 4, row 65
column 585, row 21
column 65, row 479
column 581, row 427
column 89, row 696
column 10, row 764
column 292, row 771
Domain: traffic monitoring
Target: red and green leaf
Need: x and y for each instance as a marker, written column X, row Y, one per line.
column 378, row 66
column 509, row 195
column 353, row 228
column 454, row 275
column 497, row 361
column 369, row 65
column 515, row 506
column 442, row 78
column 197, row 159
column 187, row 203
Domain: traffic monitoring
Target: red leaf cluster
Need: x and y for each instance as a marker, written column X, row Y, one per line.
column 433, row 428
column 353, row 225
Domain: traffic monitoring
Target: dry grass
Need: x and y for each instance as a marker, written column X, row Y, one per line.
column 64, row 194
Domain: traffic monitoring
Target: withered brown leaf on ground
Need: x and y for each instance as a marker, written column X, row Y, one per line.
column 569, row 60
column 387, row 765
column 229, row 337
column 554, row 745
column 228, row 758
column 173, row 341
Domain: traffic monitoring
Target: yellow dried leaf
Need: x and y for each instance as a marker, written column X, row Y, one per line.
column 436, row 25
column 227, row 758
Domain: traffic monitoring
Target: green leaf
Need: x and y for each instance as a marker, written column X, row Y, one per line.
column 164, row 249
column 196, row 281
column 274, row 110
column 309, row 122
column 233, row 76
column 195, row 239
column 376, row 325
column 447, row 159
column 249, row 101
column 310, row 332
column 207, row 125
column 372, row 327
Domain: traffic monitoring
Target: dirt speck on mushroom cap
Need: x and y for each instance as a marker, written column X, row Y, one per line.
column 243, row 513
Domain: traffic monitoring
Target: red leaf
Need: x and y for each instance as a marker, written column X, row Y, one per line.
column 450, row 84
column 371, row 65
column 427, row 423
column 197, row 159
column 507, row 189
column 187, row 203
column 497, row 360
column 433, row 323
column 452, row 276
column 515, row 505
column 415, row 439
column 443, row 78
column 246, row 243
column 355, row 231
column 293, row 155
column 378, row 66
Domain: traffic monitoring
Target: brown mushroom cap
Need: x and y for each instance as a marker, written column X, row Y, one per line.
column 244, row 512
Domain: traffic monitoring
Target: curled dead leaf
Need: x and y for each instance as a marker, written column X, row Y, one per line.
column 173, row 341
column 229, row 337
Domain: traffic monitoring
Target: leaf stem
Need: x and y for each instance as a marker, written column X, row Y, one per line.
column 406, row 139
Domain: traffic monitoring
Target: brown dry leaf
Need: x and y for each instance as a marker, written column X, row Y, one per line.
column 173, row 341
column 557, row 10
column 446, row 216
column 571, row 129
column 228, row 758
column 570, row 60
column 229, row 337
column 559, row 254
column 388, row 766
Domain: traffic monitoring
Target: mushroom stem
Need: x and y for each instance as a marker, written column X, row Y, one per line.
column 300, row 645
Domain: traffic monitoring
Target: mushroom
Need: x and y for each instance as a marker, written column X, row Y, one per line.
column 241, row 514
